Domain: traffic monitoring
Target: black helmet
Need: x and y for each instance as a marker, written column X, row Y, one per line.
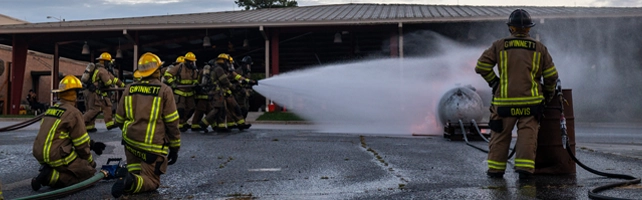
column 520, row 19
column 247, row 60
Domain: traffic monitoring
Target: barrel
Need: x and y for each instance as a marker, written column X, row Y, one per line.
column 551, row 157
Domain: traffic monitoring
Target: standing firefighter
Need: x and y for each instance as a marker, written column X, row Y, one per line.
column 148, row 117
column 203, row 105
column 182, row 77
column 62, row 144
column 98, row 79
column 244, row 88
column 235, row 117
column 216, row 83
column 518, row 94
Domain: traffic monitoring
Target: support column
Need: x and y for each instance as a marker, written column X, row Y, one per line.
column 274, row 48
column 394, row 44
column 19, row 63
column 54, row 72
column 400, row 43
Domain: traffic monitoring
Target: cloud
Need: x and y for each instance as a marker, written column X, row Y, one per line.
column 134, row 2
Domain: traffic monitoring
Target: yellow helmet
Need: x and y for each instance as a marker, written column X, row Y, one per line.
column 224, row 57
column 180, row 59
column 189, row 56
column 147, row 65
column 69, row 82
column 104, row 56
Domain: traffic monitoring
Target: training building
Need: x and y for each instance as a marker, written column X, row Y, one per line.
column 285, row 39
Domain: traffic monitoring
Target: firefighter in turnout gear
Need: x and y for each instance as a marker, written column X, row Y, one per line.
column 217, row 84
column 97, row 80
column 235, row 118
column 527, row 75
column 148, row 117
column 202, row 99
column 62, row 145
column 244, row 88
column 182, row 77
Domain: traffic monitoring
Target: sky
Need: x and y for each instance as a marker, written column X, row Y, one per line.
column 37, row 10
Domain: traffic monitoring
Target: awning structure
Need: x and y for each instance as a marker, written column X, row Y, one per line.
column 280, row 39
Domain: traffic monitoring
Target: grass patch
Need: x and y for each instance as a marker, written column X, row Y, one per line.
column 279, row 116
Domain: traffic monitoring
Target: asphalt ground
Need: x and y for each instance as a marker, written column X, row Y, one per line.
column 292, row 161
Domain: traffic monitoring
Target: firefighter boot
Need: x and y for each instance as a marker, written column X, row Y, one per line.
column 41, row 179
column 524, row 175
column 124, row 182
column 244, row 126
column 495, row 174
column 92, row 130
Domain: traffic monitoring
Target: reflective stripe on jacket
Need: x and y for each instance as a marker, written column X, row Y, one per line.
column 147, row 112
column 62, row 136
column 522, row 62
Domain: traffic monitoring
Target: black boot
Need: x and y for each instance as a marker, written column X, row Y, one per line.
column 124, row 182
column 111, row 127
column 41, row 179
column 222, row 130
column 244, row 126
column 92, row 130
column 524, row 175
column 204, row 127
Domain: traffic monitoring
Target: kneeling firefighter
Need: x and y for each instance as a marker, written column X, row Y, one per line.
column 518, row 94
column 148, row 117
column 62, row 145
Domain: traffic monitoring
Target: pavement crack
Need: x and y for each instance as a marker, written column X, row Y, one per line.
column 384, row 164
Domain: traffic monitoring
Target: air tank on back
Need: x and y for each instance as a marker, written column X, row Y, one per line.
column 460, row 103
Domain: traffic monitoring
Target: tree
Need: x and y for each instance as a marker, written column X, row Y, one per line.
column 258, row 4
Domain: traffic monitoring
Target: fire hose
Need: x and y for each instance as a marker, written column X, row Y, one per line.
column 22, row 124
column 592, row 193
column 107, row 172
column 71, row 189
column 461, row 125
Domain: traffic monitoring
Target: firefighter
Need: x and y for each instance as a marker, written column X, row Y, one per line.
column 244, row 89
column 202, row 99
column 163, row 69
column 217, row 85
column 62, row 145
column 518, row 93
column 148, row 117
column 98, row 99
column 182, row 77
column 235, row 113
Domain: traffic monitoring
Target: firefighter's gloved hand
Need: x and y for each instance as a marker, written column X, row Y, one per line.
column 97, row 147
column 494, row 84
column 253, row 83
column 549, row 96
column 172, row 156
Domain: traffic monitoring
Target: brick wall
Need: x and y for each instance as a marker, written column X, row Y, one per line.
column 38, row 62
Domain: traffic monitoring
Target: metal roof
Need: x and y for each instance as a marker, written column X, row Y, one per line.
column 340, row 14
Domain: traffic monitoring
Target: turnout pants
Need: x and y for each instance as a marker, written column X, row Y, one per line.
column 202, row 108
column 76, row 172
column 185, row 106
column 95, row 105
column 216, row 116
column 526, row 146
column 234, row 113
column 146, row 175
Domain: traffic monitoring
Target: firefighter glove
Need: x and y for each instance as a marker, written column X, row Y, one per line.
column 97, row 147
column 253, row 83
column 172, row 156
column 494, row 84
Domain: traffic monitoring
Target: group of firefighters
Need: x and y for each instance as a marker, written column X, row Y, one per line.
column 152, row 112
column 217, row 88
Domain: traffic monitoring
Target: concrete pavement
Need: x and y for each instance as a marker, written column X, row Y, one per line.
column 276, row 161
